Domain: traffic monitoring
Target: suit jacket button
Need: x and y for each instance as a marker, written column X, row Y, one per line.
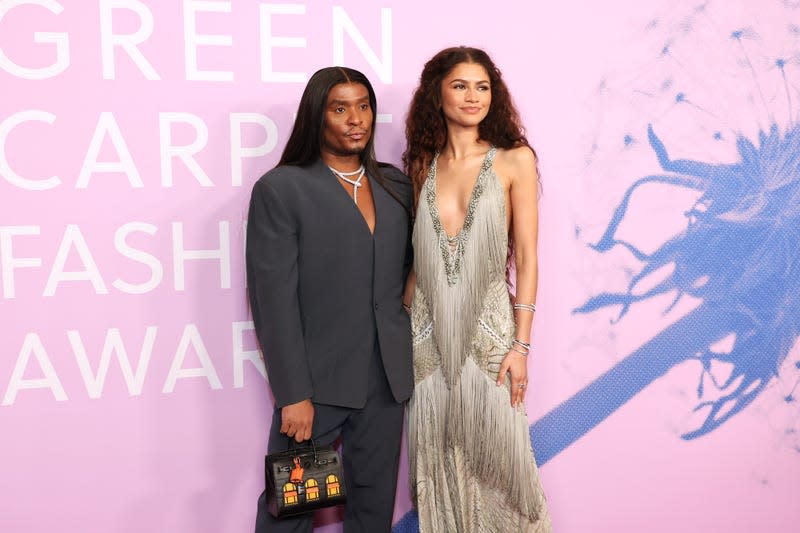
column 376, row 307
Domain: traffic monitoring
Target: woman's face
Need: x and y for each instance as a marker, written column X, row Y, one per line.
column 466, row 95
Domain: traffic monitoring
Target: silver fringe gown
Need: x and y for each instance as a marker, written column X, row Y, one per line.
column 471, row 466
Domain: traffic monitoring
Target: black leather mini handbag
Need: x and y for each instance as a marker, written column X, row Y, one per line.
column 303, row 479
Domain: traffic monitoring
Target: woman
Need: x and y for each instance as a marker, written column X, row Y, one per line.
column 475, row 182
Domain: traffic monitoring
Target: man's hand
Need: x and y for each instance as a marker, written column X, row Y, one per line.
column 297, row 419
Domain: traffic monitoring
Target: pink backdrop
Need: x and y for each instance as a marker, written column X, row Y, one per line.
column 131, row 132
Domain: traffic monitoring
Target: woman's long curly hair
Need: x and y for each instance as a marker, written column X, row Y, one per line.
column 426, row 129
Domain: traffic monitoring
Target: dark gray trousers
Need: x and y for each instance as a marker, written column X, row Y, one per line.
column 370, row 456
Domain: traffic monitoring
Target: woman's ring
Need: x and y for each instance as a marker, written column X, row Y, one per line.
column 521, row 385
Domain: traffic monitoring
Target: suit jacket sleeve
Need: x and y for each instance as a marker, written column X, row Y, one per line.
column 271, row 257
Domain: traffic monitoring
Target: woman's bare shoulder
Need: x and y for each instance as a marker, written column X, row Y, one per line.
column 518, row 162
column 521, row 155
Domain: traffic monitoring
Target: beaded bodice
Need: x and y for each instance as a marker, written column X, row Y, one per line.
column 452, row 248
column 461, row 306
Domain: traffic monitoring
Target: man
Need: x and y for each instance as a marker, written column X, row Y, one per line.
column 328, row 252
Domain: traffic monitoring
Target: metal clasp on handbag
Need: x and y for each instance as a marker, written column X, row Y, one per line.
column 317, row 460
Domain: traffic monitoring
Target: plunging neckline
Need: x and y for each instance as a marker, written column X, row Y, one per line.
column 452, row 248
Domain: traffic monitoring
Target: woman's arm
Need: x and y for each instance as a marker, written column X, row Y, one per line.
column 524, row 207
column 525, row 230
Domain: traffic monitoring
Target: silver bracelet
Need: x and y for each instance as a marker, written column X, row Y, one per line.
column 525, row 345
column 525, row 307
column 513, row 348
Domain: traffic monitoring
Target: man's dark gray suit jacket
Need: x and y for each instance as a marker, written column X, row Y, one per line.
column 321, row 286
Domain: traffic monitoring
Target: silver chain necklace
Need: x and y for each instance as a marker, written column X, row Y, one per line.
column 356, row 183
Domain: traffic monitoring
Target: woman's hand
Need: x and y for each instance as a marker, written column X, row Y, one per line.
column 515, row 364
